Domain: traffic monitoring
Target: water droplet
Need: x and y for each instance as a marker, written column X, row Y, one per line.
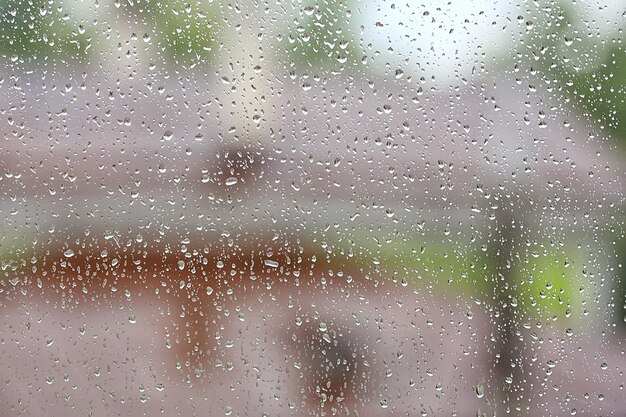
column 168, row 134
column 271, row 263
column 480, row 390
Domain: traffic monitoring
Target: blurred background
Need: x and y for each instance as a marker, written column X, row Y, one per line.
column 312, row 208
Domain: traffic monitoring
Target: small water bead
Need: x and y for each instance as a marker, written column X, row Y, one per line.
column 231, row 181
column 271, row 263
column 480, row 390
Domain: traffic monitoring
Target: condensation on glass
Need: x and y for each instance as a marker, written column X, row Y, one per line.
column 290, row 208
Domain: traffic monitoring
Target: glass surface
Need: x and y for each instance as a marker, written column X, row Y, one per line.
column 342, row 207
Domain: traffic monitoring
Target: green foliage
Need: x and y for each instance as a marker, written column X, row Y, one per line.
column 549, row 286
column 590, row 71
column 321, row 38
column 33, row 33
column 186, row 33
column 426, row 263
column 600, row 93
column 543, row 285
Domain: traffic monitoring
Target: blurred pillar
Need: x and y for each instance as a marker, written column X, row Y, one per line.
column 508, row 352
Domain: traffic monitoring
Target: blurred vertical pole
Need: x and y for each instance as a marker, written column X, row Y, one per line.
column 620, row 285
column 507, row 350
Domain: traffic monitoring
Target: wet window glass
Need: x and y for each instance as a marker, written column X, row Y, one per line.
column 312, row 208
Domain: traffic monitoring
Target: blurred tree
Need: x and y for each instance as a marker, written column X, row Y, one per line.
column 591, row 73
column 33, row 34
column 322, row 37
column 588, row 70
column 187, row 33
column 183, row 33
column 600, row 93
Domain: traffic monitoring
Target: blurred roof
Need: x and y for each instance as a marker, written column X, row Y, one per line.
column 120, row 155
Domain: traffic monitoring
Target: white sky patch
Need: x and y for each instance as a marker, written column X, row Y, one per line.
column 436, row 37
column 447, row 39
